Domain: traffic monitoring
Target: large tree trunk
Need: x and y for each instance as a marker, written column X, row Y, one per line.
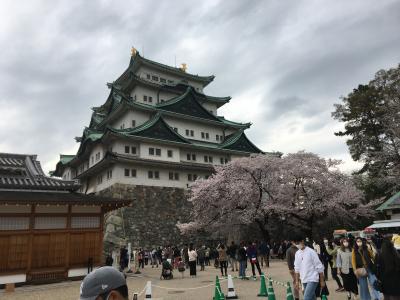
column 264, row 231
column 310, row 226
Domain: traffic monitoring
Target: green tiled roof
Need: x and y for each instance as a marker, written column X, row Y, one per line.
column 187, row 104
column 392, row 203
column 64, row 159
column 239, row 141
column 138, row 59
column 155, row 128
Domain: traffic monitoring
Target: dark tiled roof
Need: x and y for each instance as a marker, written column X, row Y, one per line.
column 22, row 171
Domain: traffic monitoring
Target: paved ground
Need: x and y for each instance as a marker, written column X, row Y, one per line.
column 199, row 288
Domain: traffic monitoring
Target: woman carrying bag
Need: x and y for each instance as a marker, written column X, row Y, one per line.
column 345, row 268
column 363, row 263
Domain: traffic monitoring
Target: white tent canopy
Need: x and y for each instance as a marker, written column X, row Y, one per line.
column 385, row 224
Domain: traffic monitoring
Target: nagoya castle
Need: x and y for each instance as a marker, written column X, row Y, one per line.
column 156, row 133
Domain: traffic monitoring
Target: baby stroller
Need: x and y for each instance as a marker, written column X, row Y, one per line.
column 166, row 272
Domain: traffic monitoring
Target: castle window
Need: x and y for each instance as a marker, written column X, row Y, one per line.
column 133, row 172
column 188, row 157
column 145, row 98
column 191, row 133
column 187, row 132
column 207, row 136
column 210, row 159
column 221, row 160
column 189, row 177
column 156, row 175
column 133, row 123
column 130, row 172
column 169, row 152
column 148, row 76
column 217, row 137
column 150, row 99
column 155, row 78
column 193, row 156
column 122, row 126
column 127, row 172
column 173, row 176
column 205, row 158
column 133, row 150
column 158, row 152
column 202, row 135
column 109, row 174
column 163, row 80
column 150, row 174
column 151, row 151
column 126, row 149
column 226, row 160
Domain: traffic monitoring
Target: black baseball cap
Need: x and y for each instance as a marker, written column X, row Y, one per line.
column 101, row 281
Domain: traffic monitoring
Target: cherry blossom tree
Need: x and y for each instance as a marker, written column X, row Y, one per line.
column 297, row 189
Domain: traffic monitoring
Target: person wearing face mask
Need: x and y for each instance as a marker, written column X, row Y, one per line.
column 363, row 263
column 308, row 268
column 324, row 256
column 332, row 250
column 345, row 269
column 290, row 256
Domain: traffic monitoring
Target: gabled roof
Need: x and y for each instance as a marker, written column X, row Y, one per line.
column 187, row 104
column 22, row 172
column 137, row 60
column 239, row 141
column 392, row 203
column 182, row 87
column 184, row 106
column 155, row 128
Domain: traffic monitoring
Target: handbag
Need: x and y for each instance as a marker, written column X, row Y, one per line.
column 361, row 272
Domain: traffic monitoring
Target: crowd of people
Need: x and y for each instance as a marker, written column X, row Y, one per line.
column 364, row 268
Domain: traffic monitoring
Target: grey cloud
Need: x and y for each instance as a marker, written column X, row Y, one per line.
column 57, row 57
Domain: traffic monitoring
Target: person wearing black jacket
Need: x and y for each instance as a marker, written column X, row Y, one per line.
column 242, row 258
column 388, row 271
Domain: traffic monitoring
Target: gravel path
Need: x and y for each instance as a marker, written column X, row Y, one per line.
column 201, row 287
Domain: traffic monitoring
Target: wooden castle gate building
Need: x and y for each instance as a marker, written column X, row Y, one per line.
column 48, row 232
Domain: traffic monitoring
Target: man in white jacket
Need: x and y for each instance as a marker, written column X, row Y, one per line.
column 308, row 268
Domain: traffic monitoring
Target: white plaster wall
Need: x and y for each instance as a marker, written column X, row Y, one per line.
column 200, row 156
column 99, row 148
column 139, row 91
column 198, row 127
column 77, row 272
column 67, row 174
column 119, row 147
column 211, row 107
column 142, row 176
column 12, row 278
column 143, row 71
column 166, row 96
column 139, row 116
column 144, row 152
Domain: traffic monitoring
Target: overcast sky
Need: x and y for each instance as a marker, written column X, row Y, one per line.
column 284, row 63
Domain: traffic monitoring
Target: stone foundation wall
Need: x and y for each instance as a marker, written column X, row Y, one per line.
column 151, row 221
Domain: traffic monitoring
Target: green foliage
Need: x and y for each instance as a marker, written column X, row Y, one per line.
column 371, row 117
